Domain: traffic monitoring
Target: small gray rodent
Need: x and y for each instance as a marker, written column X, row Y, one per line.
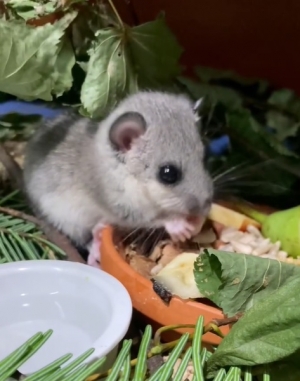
column 141, row 167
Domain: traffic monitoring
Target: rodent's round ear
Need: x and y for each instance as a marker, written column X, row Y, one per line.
column 126, row 129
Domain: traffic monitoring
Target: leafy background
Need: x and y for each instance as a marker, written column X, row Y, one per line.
column 80, row 54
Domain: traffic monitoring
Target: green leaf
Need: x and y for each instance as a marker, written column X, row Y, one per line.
column 62, row 74
column 123, row 60
column 214, row 94
column 235, row 282
column 155, row 53
column 29, row 64
column 268, row 332
column 14, row 126
column 249, row 131
column 109, row 73
column 30, row 9
column 285, row 120
column 286, row 99
column 284, row 126
column 208, row 74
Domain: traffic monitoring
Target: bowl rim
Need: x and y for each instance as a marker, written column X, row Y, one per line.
column 113, row 289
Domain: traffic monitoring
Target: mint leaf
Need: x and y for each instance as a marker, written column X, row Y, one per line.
column 268, row 333
column 235, row 282
column 29, row 58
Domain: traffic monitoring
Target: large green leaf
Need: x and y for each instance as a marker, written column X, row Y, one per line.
column 30, row 67
column 267, row 333
column 235, row 282
column 155, row 53
column 109, row 73
column 123, row 60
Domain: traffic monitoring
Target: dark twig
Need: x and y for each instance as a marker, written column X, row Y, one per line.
column 226, row 321
column 21, row 215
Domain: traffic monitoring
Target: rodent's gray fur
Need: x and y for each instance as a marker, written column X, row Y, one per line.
column 74, row 178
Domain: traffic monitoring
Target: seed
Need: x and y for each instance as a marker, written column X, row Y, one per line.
column 282, row 254
column 247, row 238
column 156, row 269
column 229, row 236
column 253, row 230
column 262, row 248
column 273, row 252
column 241, row 248
column 226, row 248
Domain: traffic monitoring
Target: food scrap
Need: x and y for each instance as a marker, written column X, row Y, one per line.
column 170, row 266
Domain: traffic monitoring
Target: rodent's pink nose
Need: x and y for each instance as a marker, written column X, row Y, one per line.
column 197, row 208
column 193, row 206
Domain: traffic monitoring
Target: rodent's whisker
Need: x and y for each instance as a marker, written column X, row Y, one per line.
column 129, row 235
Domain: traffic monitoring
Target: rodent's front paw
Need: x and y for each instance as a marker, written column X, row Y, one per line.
column 94, row 246
column 179, row 230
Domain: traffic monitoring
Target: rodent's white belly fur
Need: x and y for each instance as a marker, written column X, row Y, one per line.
column 74, row 214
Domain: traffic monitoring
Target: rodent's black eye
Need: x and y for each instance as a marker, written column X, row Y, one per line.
column 169, row 174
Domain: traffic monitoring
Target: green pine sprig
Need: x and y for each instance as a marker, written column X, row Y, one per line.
column 125, row 369
column 20, row 236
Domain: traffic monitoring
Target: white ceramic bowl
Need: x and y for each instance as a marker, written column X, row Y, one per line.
column 85, row 307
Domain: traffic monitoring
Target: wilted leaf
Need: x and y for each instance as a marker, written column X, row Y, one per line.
column 123, row 60
column 235, row 282
column 29, row 58
column 213, row 94
column 155, row 53
column 268, row 332
column 109, row 73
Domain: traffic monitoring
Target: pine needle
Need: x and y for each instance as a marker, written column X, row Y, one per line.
column 22, row 240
